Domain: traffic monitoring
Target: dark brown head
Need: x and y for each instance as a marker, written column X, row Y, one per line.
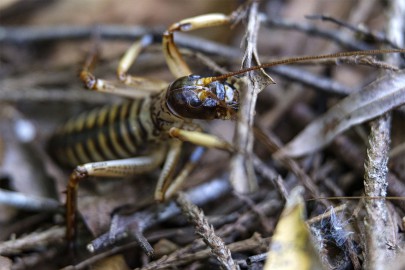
column 192, row 97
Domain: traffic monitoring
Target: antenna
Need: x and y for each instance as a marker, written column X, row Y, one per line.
column 293, row 60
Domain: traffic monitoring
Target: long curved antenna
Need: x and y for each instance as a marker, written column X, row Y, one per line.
column 301, row 59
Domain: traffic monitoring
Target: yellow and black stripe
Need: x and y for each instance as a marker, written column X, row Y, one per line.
column 106, row 133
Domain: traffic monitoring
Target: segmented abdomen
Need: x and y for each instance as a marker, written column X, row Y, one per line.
column 106, row 133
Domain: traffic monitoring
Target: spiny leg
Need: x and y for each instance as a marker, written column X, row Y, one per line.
column 176, row 184
column 200, row 138
column 113, row 168
column 174, row 60
column 168, row 169
column 167, row 187
column 129, row 58
column 132, row 87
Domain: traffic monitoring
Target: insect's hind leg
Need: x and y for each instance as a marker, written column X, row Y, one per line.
column 139, row 87
column 113, row 168
column 174, row 60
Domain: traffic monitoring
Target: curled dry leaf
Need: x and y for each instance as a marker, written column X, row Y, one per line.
column 291, row 247
column 375, row 99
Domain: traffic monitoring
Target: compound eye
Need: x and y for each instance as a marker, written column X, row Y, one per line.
column 192, row 99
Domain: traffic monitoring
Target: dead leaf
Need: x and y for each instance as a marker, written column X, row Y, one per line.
column 377, row 98
column 291, row 247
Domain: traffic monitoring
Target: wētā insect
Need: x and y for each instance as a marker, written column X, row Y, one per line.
column 107, row 140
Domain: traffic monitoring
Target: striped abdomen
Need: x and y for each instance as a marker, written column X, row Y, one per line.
column 106, row 133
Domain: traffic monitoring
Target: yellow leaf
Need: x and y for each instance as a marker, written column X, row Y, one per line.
column 291, row 247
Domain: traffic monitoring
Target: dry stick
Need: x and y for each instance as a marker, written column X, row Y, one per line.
column 23, row 35
column 273, row 144
column 242, row 174
column 368, row 35
column 380, row 237
column 31, row 203
column 378, row 226
column 206, row 231
column 51, row 95
column 33, row 241
column 31, row 260
column 230, row 231
column 349, row 153
column 253, row 243
column 312, row 30
column 149, row 217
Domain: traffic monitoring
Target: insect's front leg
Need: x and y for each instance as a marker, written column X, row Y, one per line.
column 112, row 168
column 167, row 170
column 139, row 87
column 174, row 60
column 167, row 187
column 200, row 138
column 128, row 59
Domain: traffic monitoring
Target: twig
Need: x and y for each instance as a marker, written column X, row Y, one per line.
column 273, row 144
column 256, row 258
column 23, row 35
column 206, row 231
column 90, row 261
column 350, row 153
column 231, row 231
column 31, row 203
column 379, row 228
column 141, row 221
column 178, row 259
column 327, row 214
column 312, row 30
column 309, row 79
column 358, row 60
column 15, row 35
column 368, row 35
column 52, row 95
column 271, row 175
column 32, row 260
column 32, row 241
column 242, row 174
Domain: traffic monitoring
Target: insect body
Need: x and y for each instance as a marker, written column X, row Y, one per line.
column 122, row 131
column 135, row 136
